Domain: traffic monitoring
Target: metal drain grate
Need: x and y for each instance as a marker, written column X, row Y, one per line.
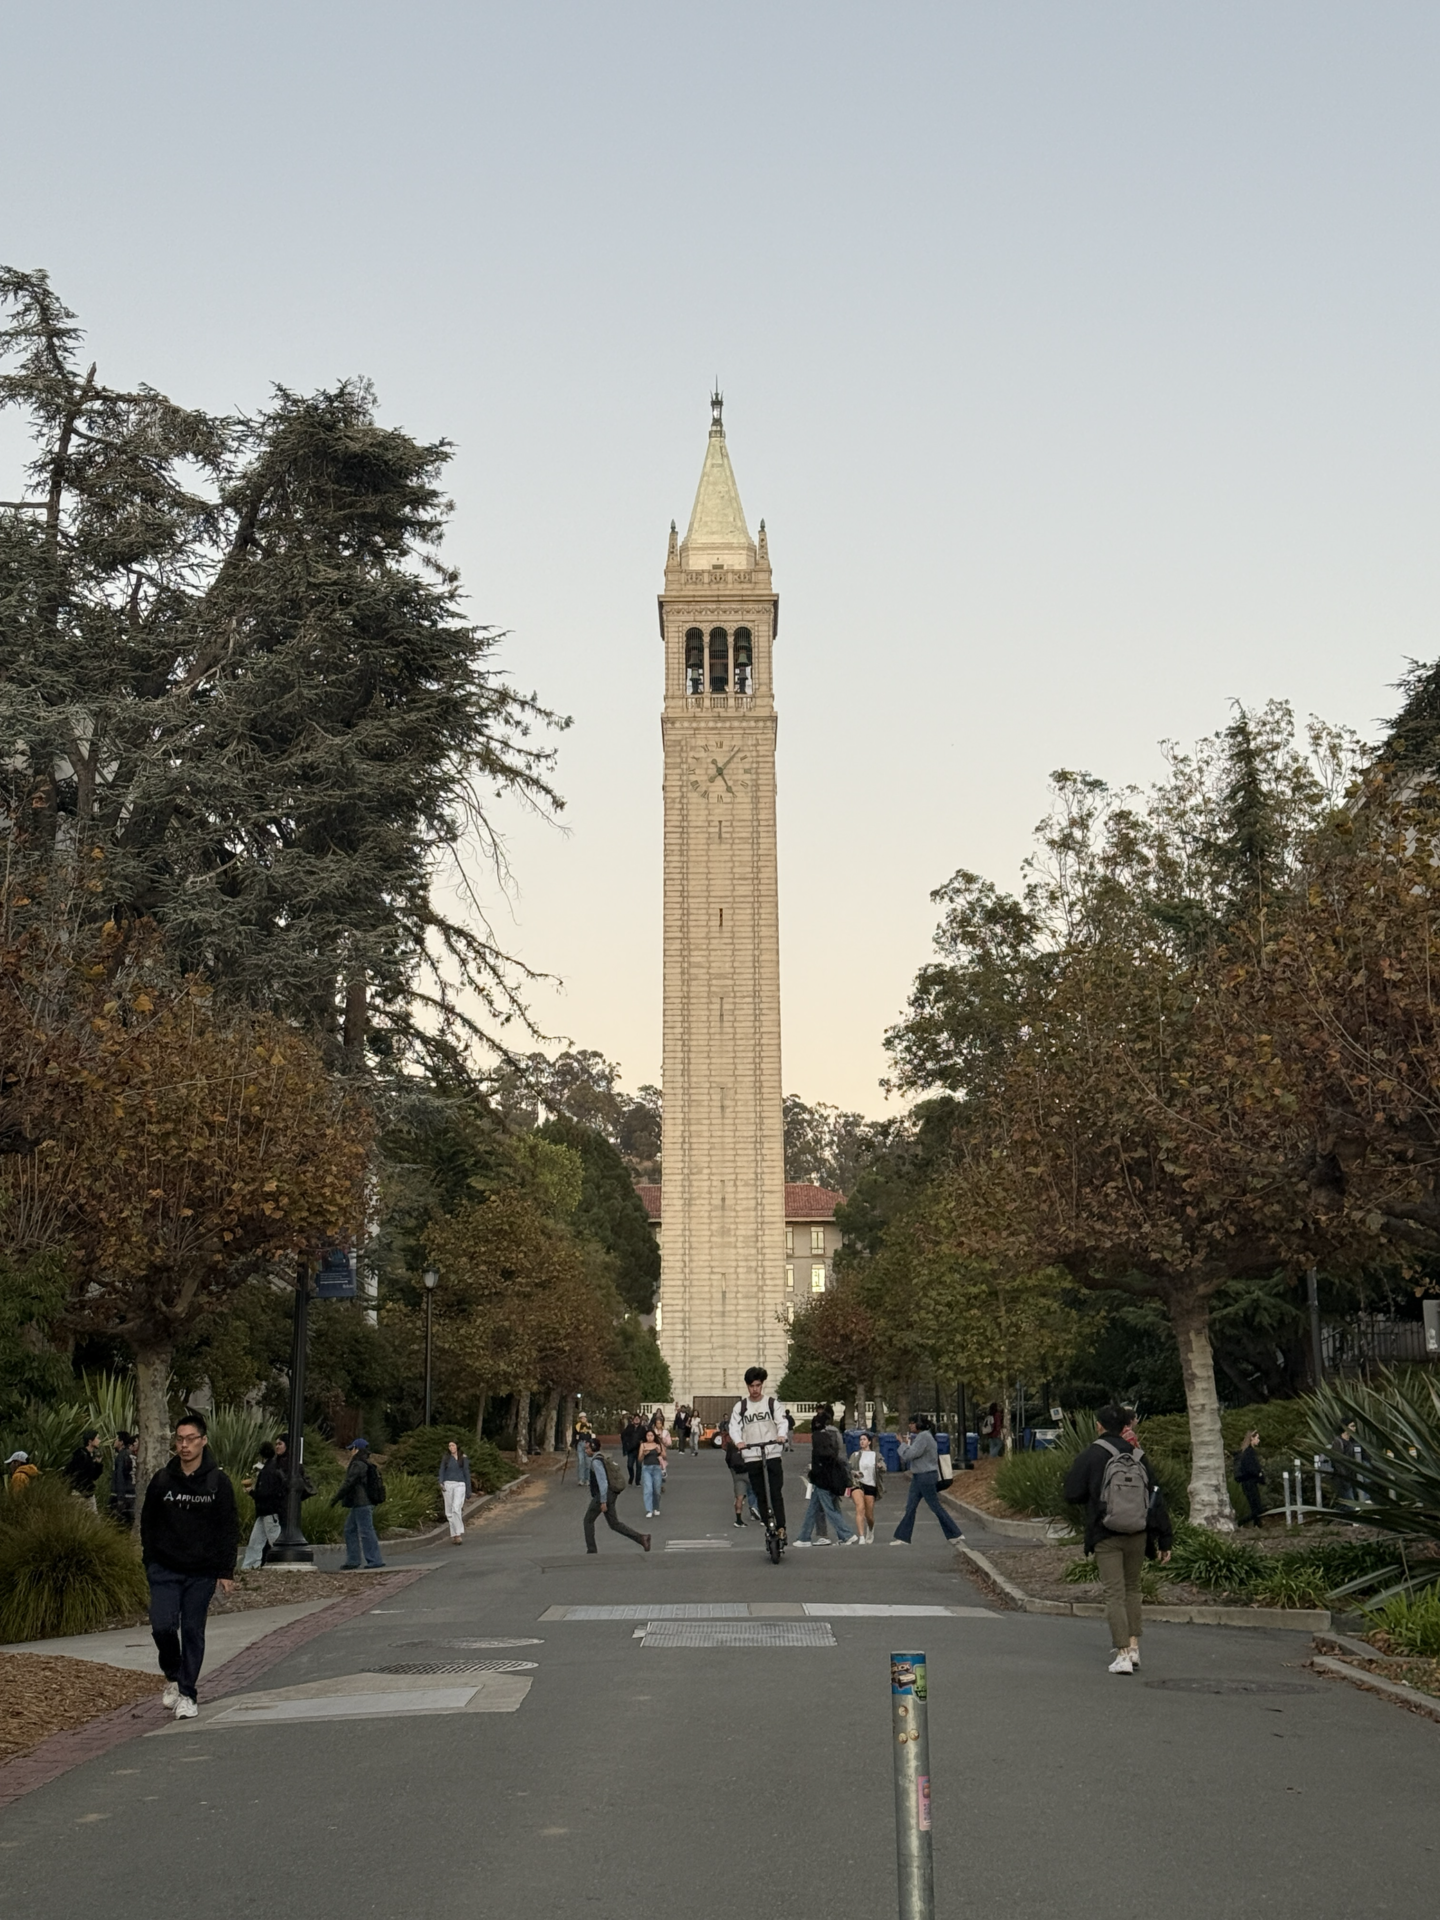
column 466, row 1645
column 458, row 1666
column 1231, row 1686
column 738, row 1633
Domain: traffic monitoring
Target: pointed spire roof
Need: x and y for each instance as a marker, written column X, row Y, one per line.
column 717, row 534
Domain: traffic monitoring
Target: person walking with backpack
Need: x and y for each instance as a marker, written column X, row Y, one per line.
column 829, row 1482
column 189, row 1534
column 758, row 1428
column 604, row 1497
column 455, row 1489
column 361, row 1491
column 1126, row 1523
column 920, row 1454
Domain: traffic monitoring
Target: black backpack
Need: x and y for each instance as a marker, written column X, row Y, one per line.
column 374, row 1484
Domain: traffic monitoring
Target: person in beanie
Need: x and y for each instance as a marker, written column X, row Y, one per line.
column 604, row 1495
column 360, row 1491
column 189, row 1534
column 1125, row 1524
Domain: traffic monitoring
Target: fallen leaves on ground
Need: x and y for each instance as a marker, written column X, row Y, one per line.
column 45, row 1693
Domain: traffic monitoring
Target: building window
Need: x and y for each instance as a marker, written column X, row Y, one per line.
column 789, row 1239
column 789, row 1277
column 719, row 660
column 817, row 1277
column 744, row 660
column 817, row 1239
column 694, row 660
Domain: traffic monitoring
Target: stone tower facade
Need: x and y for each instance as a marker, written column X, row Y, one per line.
column 722, row 1232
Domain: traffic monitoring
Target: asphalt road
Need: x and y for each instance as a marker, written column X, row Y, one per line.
column 700, row 1782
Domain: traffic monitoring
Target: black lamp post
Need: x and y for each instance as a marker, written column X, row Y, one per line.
column 432, row 1280
column 291, row 1548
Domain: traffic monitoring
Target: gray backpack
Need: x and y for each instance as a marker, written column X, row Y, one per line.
column 1124, row 1493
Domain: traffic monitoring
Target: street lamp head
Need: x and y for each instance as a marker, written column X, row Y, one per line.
column 432, row 1279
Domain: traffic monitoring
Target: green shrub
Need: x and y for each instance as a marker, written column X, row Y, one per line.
column 1032, row 1482
column 234, row 1439
column 1290, row 1582
column 49, row 1434
column 1214, row 1560
column 419, row 1452
column 410, row 1502
column 63, row 1569
column 1082, row 1573
column 1412, row 1621
column 1340, row 1561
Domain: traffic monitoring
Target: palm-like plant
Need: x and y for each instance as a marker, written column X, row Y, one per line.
column 110, row 1402
column 235, row 1436
column 1397, row 1425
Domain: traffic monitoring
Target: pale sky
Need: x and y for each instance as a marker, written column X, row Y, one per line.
column 1081, row 360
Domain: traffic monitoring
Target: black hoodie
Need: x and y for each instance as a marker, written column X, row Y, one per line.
column 188, row 1523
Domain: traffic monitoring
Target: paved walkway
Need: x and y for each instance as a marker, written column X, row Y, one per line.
column 700, row 1732
column 226, row 1634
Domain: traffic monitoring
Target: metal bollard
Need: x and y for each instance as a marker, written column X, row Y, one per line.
column 1286, row 1478
column 909, row 1692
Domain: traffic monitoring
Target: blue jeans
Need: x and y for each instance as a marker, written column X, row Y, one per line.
column 264, row 1533
column 650, row 1477
column 581, row 1464
column 360, row 1535
column 822, row 1502
column 926, row 1487
column 179, row 1603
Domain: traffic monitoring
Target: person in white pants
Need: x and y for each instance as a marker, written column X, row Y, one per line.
column 455, row 1488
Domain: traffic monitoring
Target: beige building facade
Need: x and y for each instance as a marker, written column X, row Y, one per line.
column 722, row 1281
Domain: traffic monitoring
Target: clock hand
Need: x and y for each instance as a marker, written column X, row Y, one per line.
column 719, row 774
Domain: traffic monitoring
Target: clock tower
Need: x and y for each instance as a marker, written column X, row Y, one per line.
column 722, row 1229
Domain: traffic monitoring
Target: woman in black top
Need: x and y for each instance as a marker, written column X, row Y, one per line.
column 1250, row 1474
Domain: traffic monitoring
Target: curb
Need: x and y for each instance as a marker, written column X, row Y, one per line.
column 72, row 1748
column 402, row 1542
column 1289, row 1619
column 1043, row 1531
column 1411, row 1697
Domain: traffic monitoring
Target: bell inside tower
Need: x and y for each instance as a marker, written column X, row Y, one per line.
column 694, row 660
column 719, row 660
column 744, row 660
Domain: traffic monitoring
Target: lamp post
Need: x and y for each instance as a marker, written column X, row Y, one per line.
column 432, row 1280
column 290, row 1550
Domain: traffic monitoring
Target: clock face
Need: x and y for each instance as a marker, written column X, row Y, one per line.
column 719, row 769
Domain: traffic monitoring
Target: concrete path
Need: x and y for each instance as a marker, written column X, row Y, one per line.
column 226, row 1634
column 701, row 1733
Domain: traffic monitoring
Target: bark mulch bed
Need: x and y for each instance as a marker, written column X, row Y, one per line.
column 45, row 1693
column 278, row 1588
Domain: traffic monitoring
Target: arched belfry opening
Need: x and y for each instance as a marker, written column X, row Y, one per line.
column 719, row 660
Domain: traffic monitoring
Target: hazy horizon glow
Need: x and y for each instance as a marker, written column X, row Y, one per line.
column 1079, row 359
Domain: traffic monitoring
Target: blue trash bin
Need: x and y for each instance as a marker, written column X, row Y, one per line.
column 972, row 1446
column 890, row 1452
column 852, row 1440
column 942, row 1443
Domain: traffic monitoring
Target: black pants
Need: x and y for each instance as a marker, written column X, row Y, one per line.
column 179, row 1603
column 1251, row 1490
column 773, row 1500
column 632, row 1467
column 616, row 1525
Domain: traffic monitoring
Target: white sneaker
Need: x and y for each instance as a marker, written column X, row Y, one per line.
column 826, row 1542
column 1122, row 1663
column 170, row 1695
column 802, row 1543
column 899, row 1543
column 185, row 1709
column 1134, row 1659
column 851, row 1542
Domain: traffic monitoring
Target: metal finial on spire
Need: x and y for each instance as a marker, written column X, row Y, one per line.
column 717, row 405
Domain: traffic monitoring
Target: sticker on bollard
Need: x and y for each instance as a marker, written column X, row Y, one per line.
column 909, row 1695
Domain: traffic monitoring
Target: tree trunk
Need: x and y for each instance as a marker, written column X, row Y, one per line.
column 567, row 1424
column 1209, row 1495
column 546, row 1441
column 355, row 1018
column 480, row 1416
column 152, row 1417
column 902, row 1407
column 522, row 1424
